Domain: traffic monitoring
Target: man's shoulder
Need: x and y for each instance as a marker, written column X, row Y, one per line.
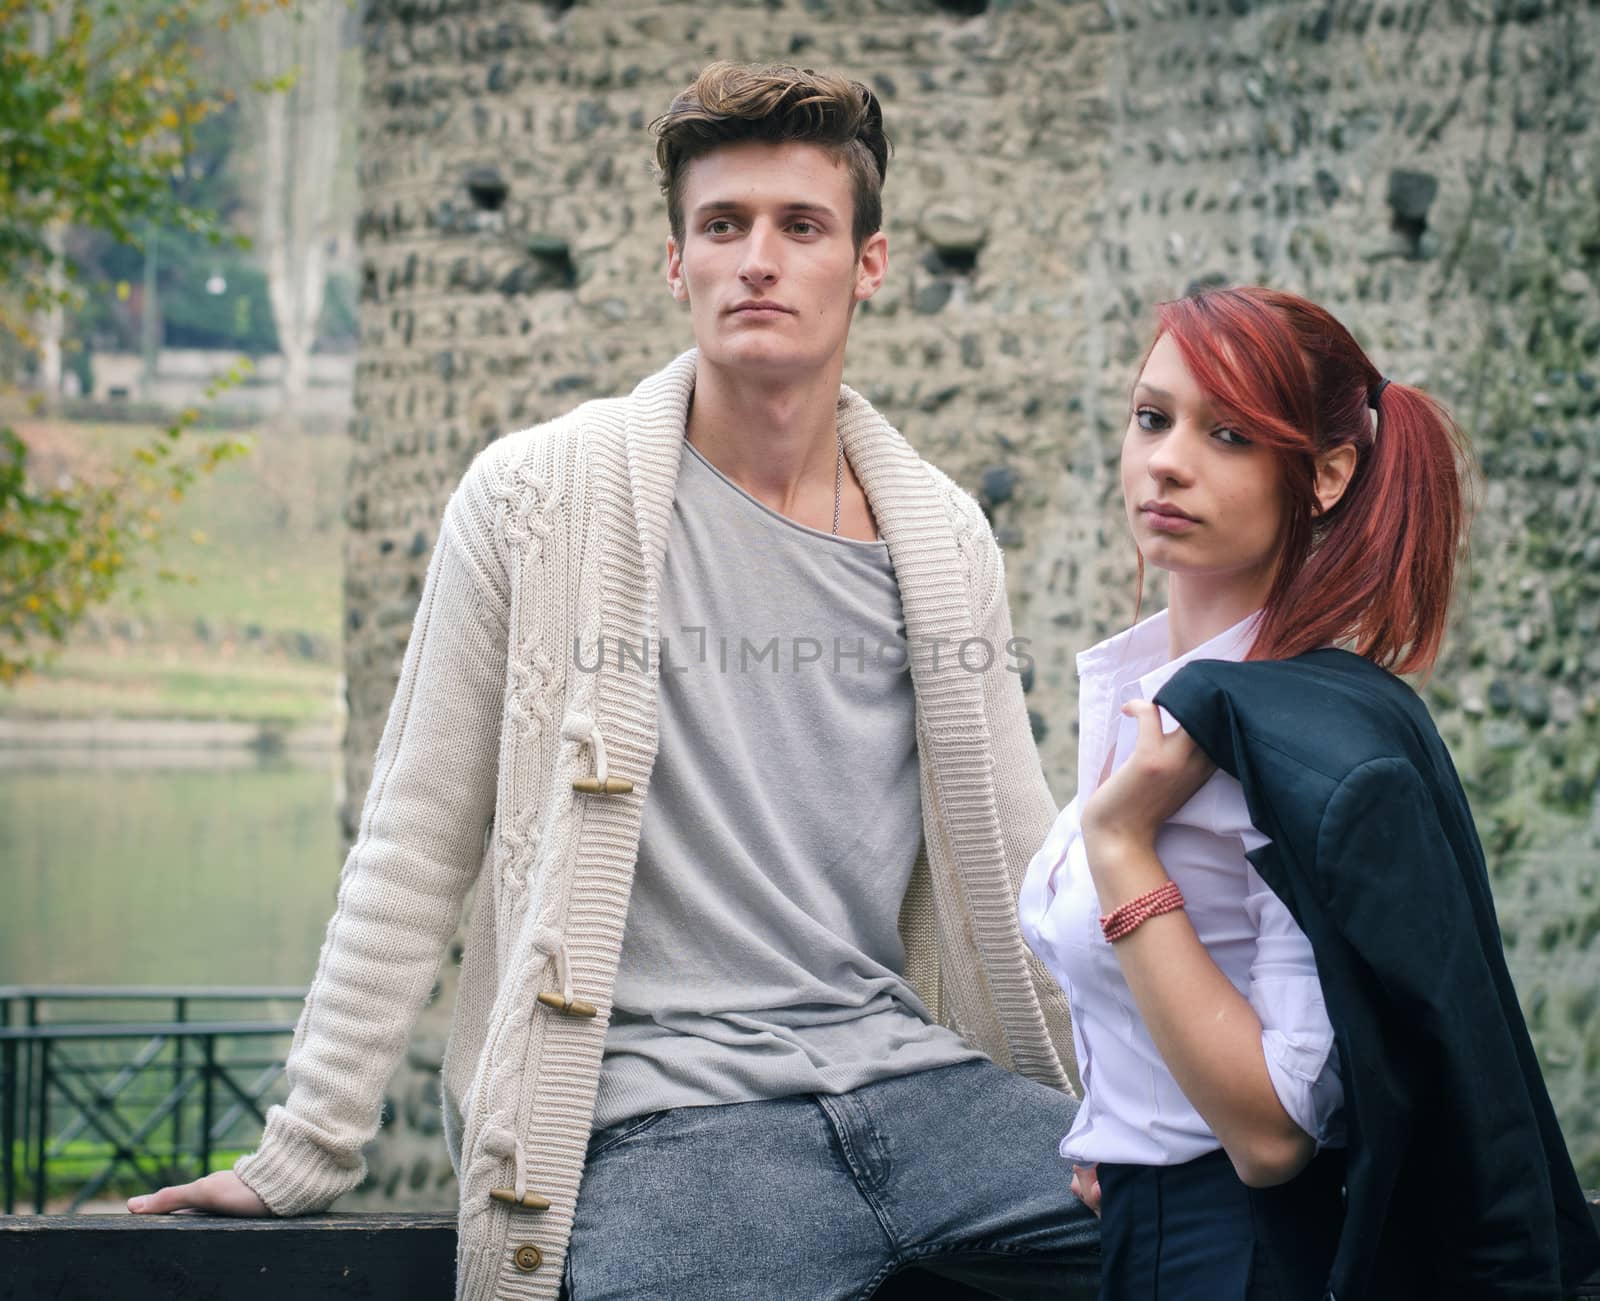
column 514, row 482
column 891, row 462
column 539, row 456
column 595, row 422
column 969, row 526
column 962, row 507
column 599, row 427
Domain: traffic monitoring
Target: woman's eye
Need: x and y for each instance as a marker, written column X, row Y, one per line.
column 1230, row 437
column 1149, row 419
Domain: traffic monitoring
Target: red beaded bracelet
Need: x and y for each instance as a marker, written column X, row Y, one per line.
column 1120, row 922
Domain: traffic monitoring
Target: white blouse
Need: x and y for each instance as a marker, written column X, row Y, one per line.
column 1133, row 1110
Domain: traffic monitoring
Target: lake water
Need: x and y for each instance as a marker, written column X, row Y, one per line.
column 120, row 872
column 223, row 874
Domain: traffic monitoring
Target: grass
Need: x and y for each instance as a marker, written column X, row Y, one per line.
column 84, row 1160
column 92, row 1066
column 110, row 680
column 250, row 627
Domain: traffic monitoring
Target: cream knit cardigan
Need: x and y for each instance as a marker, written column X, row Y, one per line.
column 555, row 537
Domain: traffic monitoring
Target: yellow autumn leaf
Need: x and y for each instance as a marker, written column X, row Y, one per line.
column 123, row 291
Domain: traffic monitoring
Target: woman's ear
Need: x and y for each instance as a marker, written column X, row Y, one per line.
column 1334, row 471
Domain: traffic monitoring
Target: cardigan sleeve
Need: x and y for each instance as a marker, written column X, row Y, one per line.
column 1022, row 796
column 418, row 849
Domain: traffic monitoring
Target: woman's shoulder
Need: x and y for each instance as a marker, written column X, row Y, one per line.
column 1327, row 709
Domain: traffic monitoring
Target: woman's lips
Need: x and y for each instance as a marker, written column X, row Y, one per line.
column 1166, row 519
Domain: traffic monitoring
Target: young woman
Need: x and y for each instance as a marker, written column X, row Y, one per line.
column 1305, row 1070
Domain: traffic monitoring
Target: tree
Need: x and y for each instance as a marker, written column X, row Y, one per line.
column 293, row 55
column 98, row 102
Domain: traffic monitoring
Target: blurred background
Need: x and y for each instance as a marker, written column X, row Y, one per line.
column 272, row 273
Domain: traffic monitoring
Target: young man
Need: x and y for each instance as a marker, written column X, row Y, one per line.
column 712, row 692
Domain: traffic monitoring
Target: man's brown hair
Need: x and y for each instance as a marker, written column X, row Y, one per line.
column 731, row 102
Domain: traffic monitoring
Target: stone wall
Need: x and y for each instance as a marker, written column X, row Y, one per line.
column 1427, row 170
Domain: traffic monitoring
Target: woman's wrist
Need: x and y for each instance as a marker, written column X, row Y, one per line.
column 1123, row 868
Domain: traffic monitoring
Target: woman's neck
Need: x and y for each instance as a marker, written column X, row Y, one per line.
column 1198, row 609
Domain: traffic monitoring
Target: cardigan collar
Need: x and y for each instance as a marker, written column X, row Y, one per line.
column 910, row 515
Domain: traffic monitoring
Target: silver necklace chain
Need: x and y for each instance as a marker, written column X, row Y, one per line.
column 838, row 481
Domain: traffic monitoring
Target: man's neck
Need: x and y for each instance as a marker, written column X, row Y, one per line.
column 777, row 440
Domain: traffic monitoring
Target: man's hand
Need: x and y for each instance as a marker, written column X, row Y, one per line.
column 1086, row 1185
column 222, row 1193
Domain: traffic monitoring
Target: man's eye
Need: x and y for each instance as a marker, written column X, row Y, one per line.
column 1149, row 419
column 803, row 227
column 719, row 226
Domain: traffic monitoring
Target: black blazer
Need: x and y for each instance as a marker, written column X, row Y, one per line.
column 1458, row 1181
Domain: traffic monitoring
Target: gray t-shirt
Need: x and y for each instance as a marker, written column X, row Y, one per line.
column 762, row 954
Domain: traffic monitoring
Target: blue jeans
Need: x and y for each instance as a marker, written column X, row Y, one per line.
column 817, row 1197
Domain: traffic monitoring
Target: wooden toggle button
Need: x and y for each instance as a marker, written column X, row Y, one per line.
column 572, row 1007
column 610, row 786
column 528, row 1202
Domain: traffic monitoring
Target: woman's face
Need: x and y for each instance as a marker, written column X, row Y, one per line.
column 1203, row 501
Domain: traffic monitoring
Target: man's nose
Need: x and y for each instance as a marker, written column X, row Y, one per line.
column 759, row 266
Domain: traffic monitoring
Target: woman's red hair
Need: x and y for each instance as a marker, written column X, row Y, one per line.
column 1376, row 570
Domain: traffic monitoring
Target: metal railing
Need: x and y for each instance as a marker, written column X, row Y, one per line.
column 150, row 1099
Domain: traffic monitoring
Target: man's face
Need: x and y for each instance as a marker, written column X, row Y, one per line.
column 767, row 263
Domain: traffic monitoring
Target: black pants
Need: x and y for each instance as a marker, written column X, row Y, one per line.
column 1194, row 1232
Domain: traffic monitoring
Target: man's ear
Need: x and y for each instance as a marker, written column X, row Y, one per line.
column 1334, row 472
column 872, row 265
column 675, row 280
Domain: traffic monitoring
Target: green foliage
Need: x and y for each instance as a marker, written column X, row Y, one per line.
column 94, row 121
column 98, row 104
column 64, row 550
column 194, row 317
column 251, row 630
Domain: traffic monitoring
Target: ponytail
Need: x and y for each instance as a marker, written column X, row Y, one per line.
column 1382, row 563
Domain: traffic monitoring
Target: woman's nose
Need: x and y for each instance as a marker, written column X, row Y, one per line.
column 1171, row 460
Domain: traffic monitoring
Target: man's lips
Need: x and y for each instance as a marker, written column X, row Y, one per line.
column 760, row 307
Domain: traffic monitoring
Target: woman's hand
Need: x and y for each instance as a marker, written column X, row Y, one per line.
column 221, row 1193
column 1086, row 1186
column 1160, row 777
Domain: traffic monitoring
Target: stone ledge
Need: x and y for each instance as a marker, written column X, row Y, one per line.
column 200, row 1257
column 311, row 1258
